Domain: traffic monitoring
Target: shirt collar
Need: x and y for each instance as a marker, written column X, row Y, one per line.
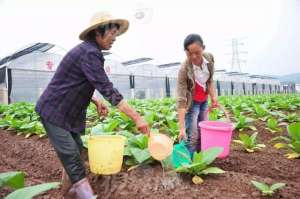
column 204, row 63
column 205, row 60
column 95, row 45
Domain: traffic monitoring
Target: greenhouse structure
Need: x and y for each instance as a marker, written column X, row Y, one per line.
column 25, row 74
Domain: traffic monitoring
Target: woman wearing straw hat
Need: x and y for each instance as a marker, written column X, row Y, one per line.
column 194, row 84
column 62, row 107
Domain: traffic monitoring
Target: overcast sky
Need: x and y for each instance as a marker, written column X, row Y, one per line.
column 270, row 28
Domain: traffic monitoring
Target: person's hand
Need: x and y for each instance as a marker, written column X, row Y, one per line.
column 182, row 135
column 142, row 126
column 214, row 103
column 102, row 109
column 138, row 120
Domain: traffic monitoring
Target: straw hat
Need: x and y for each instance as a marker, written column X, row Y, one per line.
column 103, row 18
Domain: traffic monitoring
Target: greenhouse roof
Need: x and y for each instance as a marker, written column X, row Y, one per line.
column 235, row 73
column 29, row 49
column 105, row 53
column 137, row 61
column 262, row 77
column 220, row 70
column 168, row 65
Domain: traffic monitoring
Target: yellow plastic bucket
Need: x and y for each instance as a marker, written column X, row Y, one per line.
column 106, row 153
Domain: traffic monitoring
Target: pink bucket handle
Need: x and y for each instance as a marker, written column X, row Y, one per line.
column 221, row 108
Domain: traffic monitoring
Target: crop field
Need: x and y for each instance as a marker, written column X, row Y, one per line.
column 265, row 151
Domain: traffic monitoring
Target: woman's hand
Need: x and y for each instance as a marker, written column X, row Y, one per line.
column 182, row 135
column 102, row 109
column 214, row 103
column 142, row 126
column 140, row 123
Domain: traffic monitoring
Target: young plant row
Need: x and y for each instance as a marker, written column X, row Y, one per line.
column 275, row 110
column 290, row 143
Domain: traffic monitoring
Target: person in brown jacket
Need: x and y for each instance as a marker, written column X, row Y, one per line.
column 194, row 85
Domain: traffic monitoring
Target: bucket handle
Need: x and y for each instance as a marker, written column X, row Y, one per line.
column 222, row 108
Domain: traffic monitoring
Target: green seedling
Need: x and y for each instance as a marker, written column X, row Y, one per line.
column 200, row 164
column 265, row 189
column 249, row 142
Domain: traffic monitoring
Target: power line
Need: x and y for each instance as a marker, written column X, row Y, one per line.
column 236, row 61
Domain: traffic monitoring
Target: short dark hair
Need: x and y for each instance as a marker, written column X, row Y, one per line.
column 102, row 29
column 192, row 38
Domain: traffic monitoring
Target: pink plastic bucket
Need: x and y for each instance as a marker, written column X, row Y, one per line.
column 216, row 134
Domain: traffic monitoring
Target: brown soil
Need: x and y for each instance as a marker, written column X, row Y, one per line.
column 38, row 160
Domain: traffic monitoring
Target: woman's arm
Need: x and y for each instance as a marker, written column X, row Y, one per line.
column 181, row 102
column 212, row 94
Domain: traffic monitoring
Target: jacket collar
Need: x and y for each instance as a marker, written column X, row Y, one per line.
column 190, row 69
column 96, row 46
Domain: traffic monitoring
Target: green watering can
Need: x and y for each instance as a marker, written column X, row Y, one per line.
column 180, row 155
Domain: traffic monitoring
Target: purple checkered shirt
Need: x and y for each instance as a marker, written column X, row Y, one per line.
column 66, row 98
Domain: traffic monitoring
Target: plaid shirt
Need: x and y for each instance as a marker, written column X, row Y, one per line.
column 66, row 98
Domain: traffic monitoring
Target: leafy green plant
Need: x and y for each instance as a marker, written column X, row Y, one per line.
column 292, row 142
column 265, row 189
column 291, row 118
column 137, row 151
column 249, row 142
column 30, row 192
column 216, row 114
column 15, row 180
column 273, row 126
column 200, row 164
column 244, row 123
column 261, row 112
column 236, row 112
column 213, row 115
column 22, row 118
column 160, row 114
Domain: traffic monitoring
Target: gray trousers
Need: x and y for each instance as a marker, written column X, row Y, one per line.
column 68, row 146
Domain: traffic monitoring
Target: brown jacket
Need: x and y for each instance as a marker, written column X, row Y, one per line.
column 186, row 82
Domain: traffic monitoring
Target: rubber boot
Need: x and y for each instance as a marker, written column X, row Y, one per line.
column 81, row 190
column 65, row 180
column 65, row 185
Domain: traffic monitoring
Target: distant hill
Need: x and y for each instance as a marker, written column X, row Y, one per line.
column 291, row 77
